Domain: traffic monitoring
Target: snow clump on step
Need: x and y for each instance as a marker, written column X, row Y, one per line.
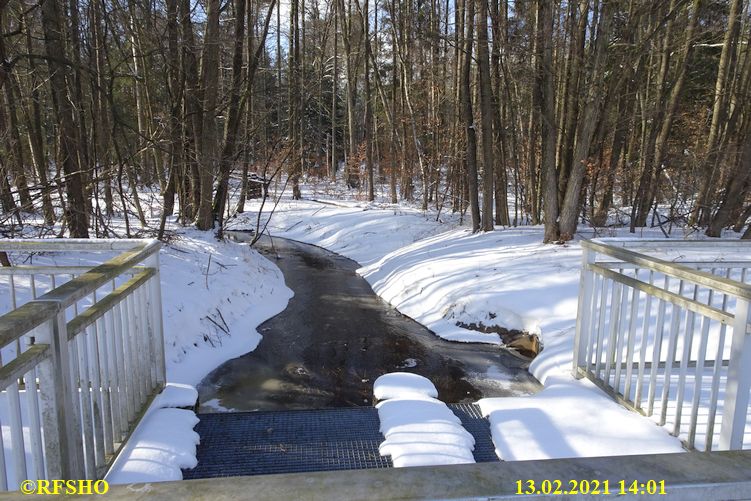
column 419, row 429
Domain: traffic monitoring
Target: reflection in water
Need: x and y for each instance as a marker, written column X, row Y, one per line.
column 336, row 337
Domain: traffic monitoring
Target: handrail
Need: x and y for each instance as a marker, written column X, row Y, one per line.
column 47, row 270
column 686, row 303
column 85, row 284
column 651, row 243
column 69, row 244
column 22, row 364
column 105, row 304
column 26, row 317
column 673, row 269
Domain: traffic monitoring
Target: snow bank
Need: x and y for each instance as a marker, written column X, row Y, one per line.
column 164, row 441
column 419, row 429
column 362, row 232
column 214, row 296
column 569, row 419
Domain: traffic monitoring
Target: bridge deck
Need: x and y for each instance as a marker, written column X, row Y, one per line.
column 267, row 442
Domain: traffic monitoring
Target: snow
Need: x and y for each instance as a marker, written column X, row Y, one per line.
column 422, row 431
column 214, row 295
column 176, row 395
column 403, row 384
column 570, row 420
column 419, row 430
column 163, row 443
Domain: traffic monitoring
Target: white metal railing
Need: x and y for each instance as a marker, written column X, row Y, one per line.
column 82, row 356
column 663, row 327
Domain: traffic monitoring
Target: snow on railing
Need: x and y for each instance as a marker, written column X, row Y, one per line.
column 82, row 355
column 663, row 327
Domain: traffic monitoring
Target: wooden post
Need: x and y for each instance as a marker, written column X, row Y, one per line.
column 62, row 436
column 155, row 304
column 738, row 381
column 584, row 311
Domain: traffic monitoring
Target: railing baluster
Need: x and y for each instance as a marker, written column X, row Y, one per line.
column 700, row 369
column 591, row 347
column 104, row 382
column 135, row 322
column 716, row 376
column 149, row 375
column 698, row 376
column 657, row 351
column 644, row 344
column 116, row 394
column 13, row 300
column 16, row 433
column 35, row 429
column 675, row 321
column 96, row 395
column 608, row 290
column 155, row 303
column 632, row 320
column 615, row 321
column 129, row 366
column 86, row 414
column 688, row 339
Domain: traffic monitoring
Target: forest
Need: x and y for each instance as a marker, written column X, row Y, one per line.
column 564, row 113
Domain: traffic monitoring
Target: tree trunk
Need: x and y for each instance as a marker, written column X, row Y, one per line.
column 590, row 117
column 468, row 116
column 208, row 158
column 546, row 98
column 486, row 112
column 63, row 101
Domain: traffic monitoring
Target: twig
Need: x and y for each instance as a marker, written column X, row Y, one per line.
column 207, row 272
column 215, row 323
column 222, row 317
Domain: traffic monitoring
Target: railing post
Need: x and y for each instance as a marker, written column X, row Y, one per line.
column 739, row 380
column 155, row 303
column 584, row 310
column 62, row 436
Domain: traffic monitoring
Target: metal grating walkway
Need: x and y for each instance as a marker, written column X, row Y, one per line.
column 268, row 442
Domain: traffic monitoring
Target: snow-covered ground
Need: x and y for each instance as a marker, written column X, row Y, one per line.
column 215, row 294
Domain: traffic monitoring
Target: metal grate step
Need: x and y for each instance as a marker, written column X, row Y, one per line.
column 268, row 442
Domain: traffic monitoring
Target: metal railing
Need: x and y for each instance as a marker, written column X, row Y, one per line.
column 663, row 327
column 82, row 356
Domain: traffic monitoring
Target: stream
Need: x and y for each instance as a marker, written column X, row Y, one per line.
column 336, row 336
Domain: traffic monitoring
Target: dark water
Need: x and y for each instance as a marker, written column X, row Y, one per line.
column 336, row 337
